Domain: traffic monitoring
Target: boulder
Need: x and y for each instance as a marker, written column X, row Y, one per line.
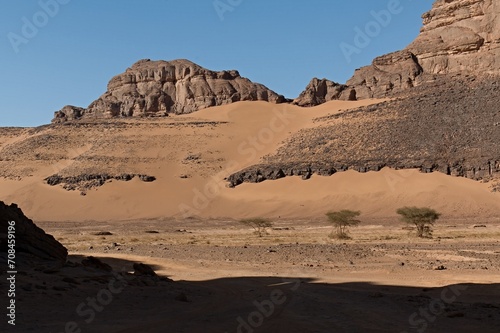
column 143, row 269
column 67, row 113
column 95, row 263
column 318, row 92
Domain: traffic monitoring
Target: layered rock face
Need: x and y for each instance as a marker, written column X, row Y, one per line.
column 157, row 88
column 458, row 36
column 29, row 238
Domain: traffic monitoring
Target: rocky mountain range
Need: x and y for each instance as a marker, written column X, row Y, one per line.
column 442, row 115
column 457, row 36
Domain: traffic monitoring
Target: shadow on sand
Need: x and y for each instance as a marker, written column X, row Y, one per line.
column 252, row 304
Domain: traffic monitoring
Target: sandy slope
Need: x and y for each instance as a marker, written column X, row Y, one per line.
column 247, row 132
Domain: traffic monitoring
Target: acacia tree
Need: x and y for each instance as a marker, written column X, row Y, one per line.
column 260, row 225
column 342, row 220
column 422, row 217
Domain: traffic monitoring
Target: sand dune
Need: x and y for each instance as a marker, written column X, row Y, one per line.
column 247, row 132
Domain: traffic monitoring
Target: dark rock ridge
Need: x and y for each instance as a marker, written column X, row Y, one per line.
column 262, row 172
column 157, row 88
column 88, row 181
column 29, row 238
column 451, row 125
column 457, row 36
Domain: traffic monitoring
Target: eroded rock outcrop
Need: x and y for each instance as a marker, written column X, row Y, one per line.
column 460, row 36
column 319, row 91
column 28, row 237
column 86, row 182
column 457, row 36
column 390, row 73
column 157, row 88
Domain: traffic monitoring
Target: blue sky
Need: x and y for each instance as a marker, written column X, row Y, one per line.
column 59, row 52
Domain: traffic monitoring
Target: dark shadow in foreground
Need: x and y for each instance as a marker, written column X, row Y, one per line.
column 76, row 299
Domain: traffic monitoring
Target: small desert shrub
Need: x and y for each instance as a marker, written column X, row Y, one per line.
column 342, row 220
column 422, row 217
column 260, row 225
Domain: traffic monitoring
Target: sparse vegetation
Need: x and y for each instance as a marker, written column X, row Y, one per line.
column 260, row 225
column 342, row 220
column 422, row 217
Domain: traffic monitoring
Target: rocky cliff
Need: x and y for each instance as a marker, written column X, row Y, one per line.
column 460, row 36
column 157, row 88
column 457, row 36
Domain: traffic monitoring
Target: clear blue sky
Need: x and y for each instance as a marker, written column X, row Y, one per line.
column 79, row 46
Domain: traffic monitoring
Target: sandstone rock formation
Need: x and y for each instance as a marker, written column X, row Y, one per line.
column 393, row 72
column 388, row 74
column 157, row 88
column 457, row 36
column 29, row 238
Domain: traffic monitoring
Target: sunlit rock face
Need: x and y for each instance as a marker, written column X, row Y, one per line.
column 157, row 88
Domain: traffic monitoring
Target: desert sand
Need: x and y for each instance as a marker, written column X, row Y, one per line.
column 190, row 163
